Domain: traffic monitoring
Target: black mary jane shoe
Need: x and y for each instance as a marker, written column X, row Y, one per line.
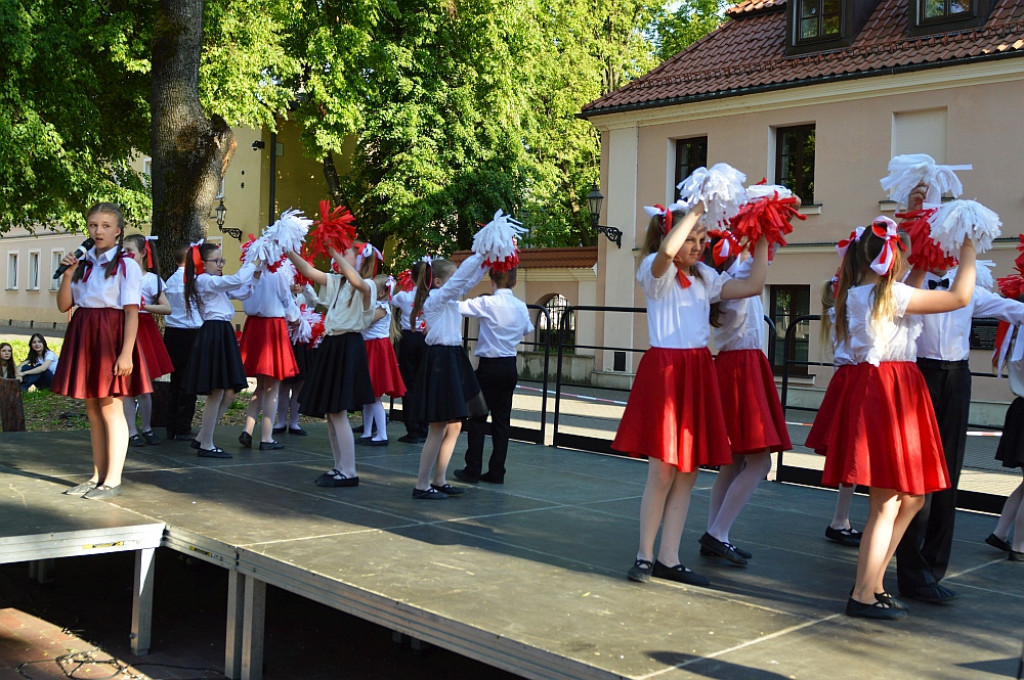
column 679, row 574
column 640, row 571
column 876, row 610
column 722, row 549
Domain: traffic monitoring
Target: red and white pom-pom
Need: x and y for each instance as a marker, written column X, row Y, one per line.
column 767, row 212
column 317, row 331
column 245, row 248
column 961, row 219
column 496, row 242
column 909, row 170
column 925, row 253
column 721, row 190
column 404, row 280
column 297, row 278
column 335, row 229
column 302, row 333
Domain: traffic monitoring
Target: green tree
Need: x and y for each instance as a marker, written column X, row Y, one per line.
column 427, row 114
column 679, row 25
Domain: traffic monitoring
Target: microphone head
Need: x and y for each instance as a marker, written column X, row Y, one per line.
column 88, row 243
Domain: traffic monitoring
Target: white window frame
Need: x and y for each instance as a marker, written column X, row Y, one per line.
column 56, row 255
column 32, row 283
column 12, row 270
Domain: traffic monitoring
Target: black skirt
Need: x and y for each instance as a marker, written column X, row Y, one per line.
column 1011, row 444
column 446, row 389
column 339, row 379
column 215, row 362
column 304, row 360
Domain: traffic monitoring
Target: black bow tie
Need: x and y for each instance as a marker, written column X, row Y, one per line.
column 938, row 283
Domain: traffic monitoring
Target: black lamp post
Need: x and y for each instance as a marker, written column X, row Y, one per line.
column 221, row 211
column 594, row 201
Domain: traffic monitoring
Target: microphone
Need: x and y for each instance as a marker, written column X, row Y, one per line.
column 80, row 252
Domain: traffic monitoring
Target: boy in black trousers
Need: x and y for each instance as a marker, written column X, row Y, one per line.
column 504, row 320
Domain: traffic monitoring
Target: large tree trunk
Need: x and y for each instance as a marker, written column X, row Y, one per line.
column 190, row 152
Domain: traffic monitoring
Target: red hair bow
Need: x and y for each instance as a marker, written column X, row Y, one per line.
column 885, row 229
column 724, row 245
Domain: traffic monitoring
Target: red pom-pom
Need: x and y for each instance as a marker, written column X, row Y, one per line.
column 925, row 253
column 404, row 281
column 299, row 279
column 768, row 216
column 1011, row 286
column 336, row 230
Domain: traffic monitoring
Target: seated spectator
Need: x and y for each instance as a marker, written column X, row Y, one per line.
column 12, row 413
column 8, row 369
column 39, row 367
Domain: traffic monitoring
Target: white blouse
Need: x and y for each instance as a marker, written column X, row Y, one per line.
column 441, row 308
column 742, row 321
column 892, row 340
column 216, row 292
column 96, row 289
column 381, row 328
column 677, row 317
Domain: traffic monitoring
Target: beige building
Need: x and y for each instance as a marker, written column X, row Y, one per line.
column 27, row 260
column 818, row 96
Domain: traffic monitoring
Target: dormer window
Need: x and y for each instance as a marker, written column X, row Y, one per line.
column 928, row 17
column 944, row 9
column 818, row 25
column 819, row 19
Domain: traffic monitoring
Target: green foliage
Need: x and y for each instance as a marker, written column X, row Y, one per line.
column 73, row 93
column 680, row 26
column 434, row 113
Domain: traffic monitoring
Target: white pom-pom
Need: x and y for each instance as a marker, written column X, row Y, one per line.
column 289, row 232
column 983, row 275
column 909, row 170
column 721, row 190
column 262, row 249
column 286, row 235
column 756, row 191
column 496, row 241
column 961, row 219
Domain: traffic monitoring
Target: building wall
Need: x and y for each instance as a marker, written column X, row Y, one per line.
column 857, row 131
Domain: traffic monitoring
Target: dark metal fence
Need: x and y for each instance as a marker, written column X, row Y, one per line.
column 969, row 500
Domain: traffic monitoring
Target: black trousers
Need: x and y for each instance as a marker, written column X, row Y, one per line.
column 922, row 557
column 181, row 406
column 497, row 378
column 410, row 355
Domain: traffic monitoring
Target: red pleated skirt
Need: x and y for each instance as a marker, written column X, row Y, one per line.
column 753, row 413
column 883, row 432
column 674, row 412
column 92, row 343
column 384, row 373
column 828, row 410
column 266, row 348
column 151, row 344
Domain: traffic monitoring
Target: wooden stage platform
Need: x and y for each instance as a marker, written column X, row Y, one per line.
column 528, row 577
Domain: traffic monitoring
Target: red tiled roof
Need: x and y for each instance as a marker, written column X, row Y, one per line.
column 748, row 54
column 548, row 258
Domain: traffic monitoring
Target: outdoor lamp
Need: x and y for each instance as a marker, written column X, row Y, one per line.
column 594, row 201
